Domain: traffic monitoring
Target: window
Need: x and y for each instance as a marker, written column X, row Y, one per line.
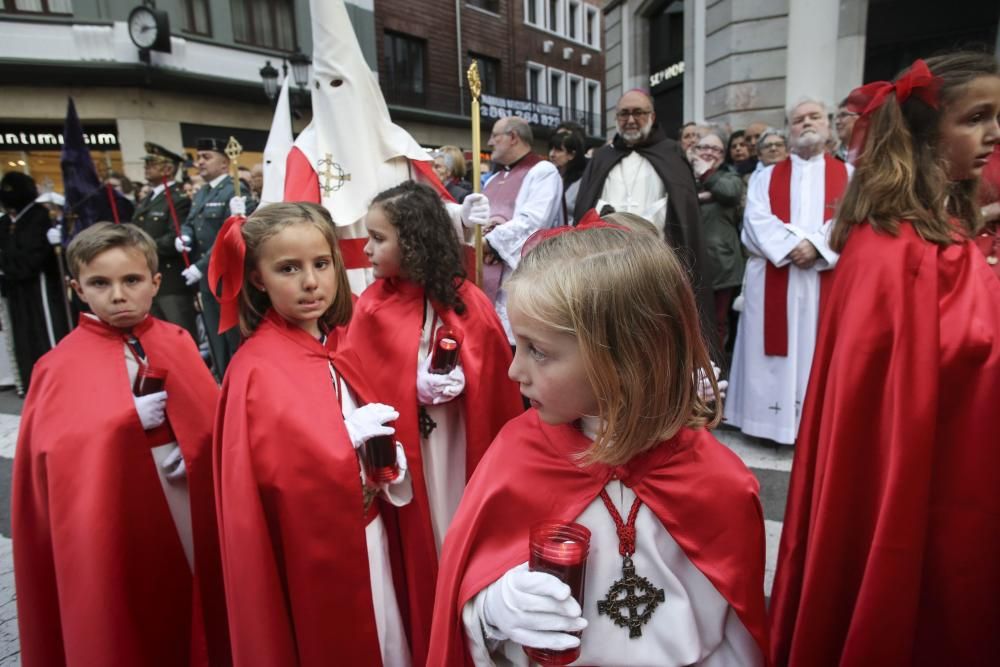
column 575, row 98
column 196, row 17
column 489, row 73
column 403, row 59
column 533, row 12
column 554, row 15
column 488, row 5
column 557, row 93
column 536, row 83
column 573, row 20
column 38, row 6
column 593, row 123
column 592, row 27
column 267, row 23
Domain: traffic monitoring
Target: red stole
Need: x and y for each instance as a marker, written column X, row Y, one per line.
column 701, row 492
column 385, row 335
column 775, row 278
column 290, row 506
column 101, row 575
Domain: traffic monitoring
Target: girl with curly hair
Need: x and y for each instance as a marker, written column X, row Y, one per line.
column 447, row 417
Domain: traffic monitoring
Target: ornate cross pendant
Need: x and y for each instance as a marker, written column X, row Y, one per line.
column 427, row 425
column 629, row 594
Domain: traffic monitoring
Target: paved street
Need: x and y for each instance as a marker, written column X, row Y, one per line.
column 770, row 464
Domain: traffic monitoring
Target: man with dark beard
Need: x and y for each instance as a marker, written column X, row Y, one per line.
column 785, row 228
column 644, row 172
column 32, row 287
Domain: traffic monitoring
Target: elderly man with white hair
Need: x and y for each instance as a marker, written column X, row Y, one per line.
column 788, row 214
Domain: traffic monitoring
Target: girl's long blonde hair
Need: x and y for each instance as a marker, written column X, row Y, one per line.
column 263, row 225
column 630, row 306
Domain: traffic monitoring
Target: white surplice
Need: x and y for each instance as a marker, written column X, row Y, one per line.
column 633, row 186
column 693, row 626
column 443, row 451
column 388, row 622
column 766, row 393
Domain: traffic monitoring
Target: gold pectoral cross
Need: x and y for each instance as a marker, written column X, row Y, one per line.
column 331, row 171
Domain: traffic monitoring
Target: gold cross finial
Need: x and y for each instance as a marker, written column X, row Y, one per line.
column 233, row 149
column 475, row 86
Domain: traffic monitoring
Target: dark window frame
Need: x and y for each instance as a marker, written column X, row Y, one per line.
column 493, row 8
column 396, row 89
column 487, row 64
column 10, row 6
column 271, row 22
column 189, row 26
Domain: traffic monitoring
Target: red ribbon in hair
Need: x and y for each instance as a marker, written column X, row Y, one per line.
column 917, row 81
column 590, row 220
column 225, row 270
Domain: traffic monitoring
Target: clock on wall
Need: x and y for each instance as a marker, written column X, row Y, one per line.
column 149, row 29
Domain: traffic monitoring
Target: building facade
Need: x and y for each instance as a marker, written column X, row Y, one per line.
column 736, row 61
column 209, row 81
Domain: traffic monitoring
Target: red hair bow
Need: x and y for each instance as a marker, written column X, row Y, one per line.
column 918, row 81
column 590, row 220
column 226, row 265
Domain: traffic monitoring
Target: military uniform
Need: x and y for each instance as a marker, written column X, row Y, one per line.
column 175, row 300
column 208, row 211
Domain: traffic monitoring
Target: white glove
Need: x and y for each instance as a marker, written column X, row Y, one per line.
column 183, row 243
column 192, row 275
column 533, row 609
column 54, row 235
column 173, row 466
column 434, row 389
column 152, row 409
column 705, row 385
column 368, row 422
column 475, row 210
column 238, row 206
column 400, row 465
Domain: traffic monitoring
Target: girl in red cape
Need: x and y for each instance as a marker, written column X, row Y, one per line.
column 891, row 546
column 116, row 553
column 608, row 352
column 304, row 551
column 447, row 417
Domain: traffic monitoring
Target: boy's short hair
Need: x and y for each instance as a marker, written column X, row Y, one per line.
column 102, row 236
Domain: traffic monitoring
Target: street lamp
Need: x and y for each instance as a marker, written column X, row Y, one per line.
column 269, row 75
column 300, row 73
column 300, row 68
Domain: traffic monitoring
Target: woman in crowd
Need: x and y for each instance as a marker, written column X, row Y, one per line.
column 449, row 164
column 568, row 153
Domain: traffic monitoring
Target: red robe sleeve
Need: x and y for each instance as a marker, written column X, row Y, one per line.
column 290, row 507
column 384, row 334
column 701, row 492
column 100, row 571
column 890, row 545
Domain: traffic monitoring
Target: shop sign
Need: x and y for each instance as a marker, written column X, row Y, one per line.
column 542, row 115
column 40, row 137
column 666, row 74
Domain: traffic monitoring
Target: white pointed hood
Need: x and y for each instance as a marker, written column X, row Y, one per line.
column 279, row 142
column 350, row 117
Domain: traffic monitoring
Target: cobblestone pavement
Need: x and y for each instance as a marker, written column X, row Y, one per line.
column 770, row 463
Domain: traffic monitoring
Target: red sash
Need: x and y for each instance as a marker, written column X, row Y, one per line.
column 775, row 278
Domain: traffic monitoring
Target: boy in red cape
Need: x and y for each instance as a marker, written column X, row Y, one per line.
column 446, row 420
column 113, row 508
column 616, row 430
column 890, row 553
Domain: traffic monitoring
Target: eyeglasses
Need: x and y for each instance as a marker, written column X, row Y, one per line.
column 638, row 114
column 841, row 115
column 708, row 148
column 772, row 145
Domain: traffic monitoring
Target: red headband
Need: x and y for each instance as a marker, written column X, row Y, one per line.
column 226, row 264
column 590, row 220
column 917, row 81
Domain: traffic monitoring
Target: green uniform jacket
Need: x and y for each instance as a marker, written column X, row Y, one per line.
column 209, row 210
column 153, row 216
column 722, row 218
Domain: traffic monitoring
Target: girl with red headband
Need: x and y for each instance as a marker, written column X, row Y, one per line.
column 891, row 544
column 431, row 345
column 616, row 446
column 305, row 553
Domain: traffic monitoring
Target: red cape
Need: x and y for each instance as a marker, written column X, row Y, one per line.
column 701, row 492
column 101, row 575
column 385, row 335
column 290, row 507
column 890, row 553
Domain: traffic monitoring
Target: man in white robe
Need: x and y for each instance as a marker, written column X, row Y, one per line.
column 525, row 195
column 766, row 391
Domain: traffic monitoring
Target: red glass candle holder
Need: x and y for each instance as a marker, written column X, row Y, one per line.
column 380, row 459
column 559, row 548
column 445, row 355
column 149, row 380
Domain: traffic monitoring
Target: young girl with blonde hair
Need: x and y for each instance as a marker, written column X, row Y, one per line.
column 447, row 419
column 890, row 547
column 305, row 553
column 608, row 352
